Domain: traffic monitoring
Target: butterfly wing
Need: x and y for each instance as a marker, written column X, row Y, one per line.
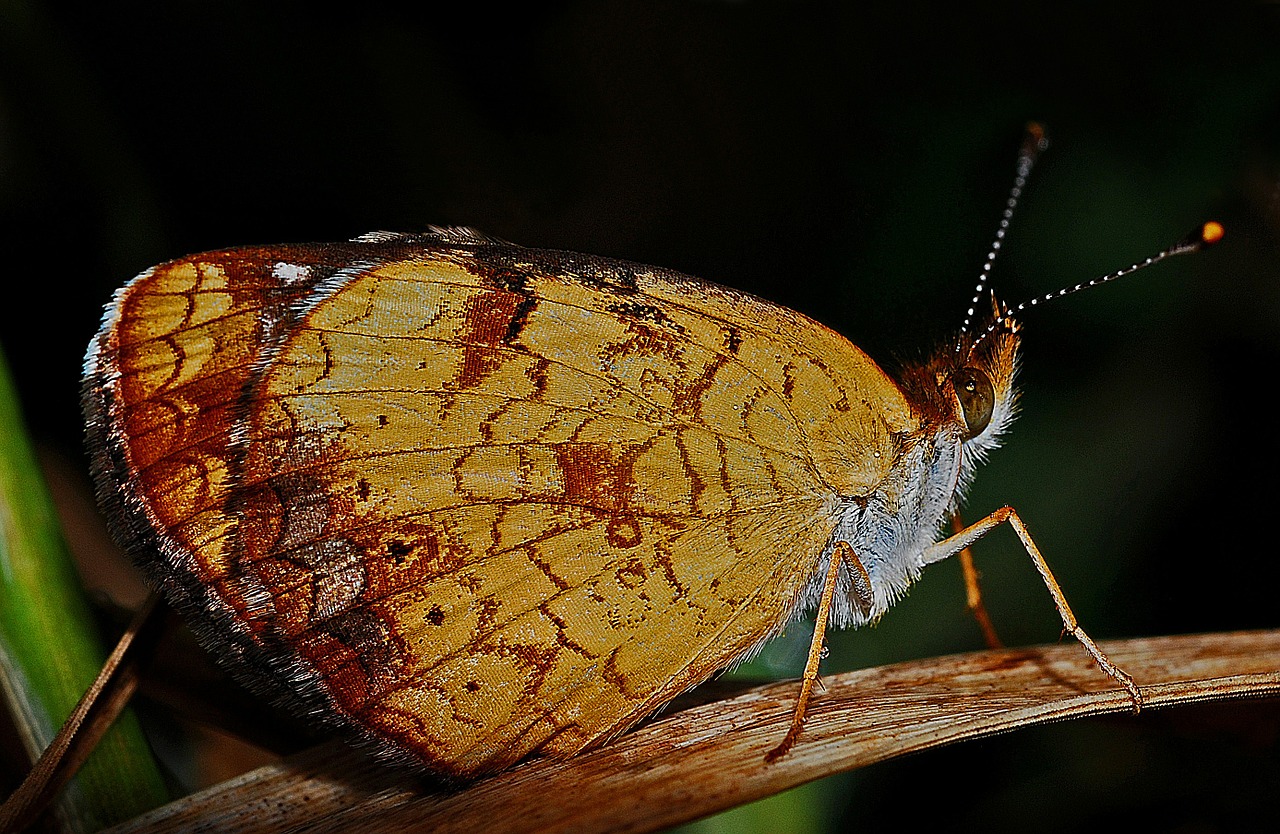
column 475, row 499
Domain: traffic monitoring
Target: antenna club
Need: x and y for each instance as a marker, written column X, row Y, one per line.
column 1037, row 139
column 1204, row 236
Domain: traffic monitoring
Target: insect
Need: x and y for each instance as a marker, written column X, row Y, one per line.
column 474, row 500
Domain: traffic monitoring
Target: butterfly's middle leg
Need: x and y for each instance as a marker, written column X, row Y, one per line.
column 841, row 554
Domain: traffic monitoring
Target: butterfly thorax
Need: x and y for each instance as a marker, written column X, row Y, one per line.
column 963, row 400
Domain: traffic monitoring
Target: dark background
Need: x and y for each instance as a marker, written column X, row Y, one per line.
column 850, row 162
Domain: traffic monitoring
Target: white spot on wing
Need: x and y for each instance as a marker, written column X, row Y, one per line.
column 290, row 274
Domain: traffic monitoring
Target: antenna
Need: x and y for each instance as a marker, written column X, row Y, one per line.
column 1206, row 235
column 1033, row 144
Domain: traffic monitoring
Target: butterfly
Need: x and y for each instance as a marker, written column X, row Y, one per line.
column 470, row 500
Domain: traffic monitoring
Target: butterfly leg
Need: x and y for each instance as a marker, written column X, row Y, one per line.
column 973, row 532
column 973, row 591
column 842, row 553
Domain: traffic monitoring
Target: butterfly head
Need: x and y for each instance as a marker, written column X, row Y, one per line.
column 980, row 379
column 973, row 387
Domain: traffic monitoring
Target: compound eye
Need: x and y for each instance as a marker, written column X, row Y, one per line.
column 977, row 398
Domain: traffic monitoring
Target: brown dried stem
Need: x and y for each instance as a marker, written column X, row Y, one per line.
column 710, row 757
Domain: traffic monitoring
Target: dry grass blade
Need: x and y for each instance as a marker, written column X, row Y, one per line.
column 710, row 757
column 92, row 717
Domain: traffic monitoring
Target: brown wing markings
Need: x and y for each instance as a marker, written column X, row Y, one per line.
column 485, row 637
column 603, row 570
column 296, row 553
column 819, row 412
column 502, row 733
column 794, row 320
column 726, row 484
column 620, row 280
column 528, row 547
column 171, row 396
column 559, row 502
column 690, row 400
column 561, row 628
column 662, row 555
column 844, row 367
column 594, row 477
column 661, row 280
column 714, row 296
column 521, row 316
column 366, row 537
column 343, row 279
column 313, row 463
column 537, row 374
column 680, row 679
column 639, row 311
column 202, row 440
column 359, row 638
column 649, row 283
column 669, row 421
column 456, row 335
column 489, row 320
column 610, row 381
column 748, row 407
column 541, row 564
column 328, row 364
column 788, row 380
column 659, row 429
column 700, row 668
column 535, row 659
column 484, row 362
column 238, row 282
column 732, row 339
column 201, row 496
column 697, row 486
column 642, row 340
column 246, row 484
column 657, row 301
column 179, row 358
column 408, row 718
column 511, row 749
column 506, row 278
column 149, row 454
column 511, row 406
column 198, row 411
